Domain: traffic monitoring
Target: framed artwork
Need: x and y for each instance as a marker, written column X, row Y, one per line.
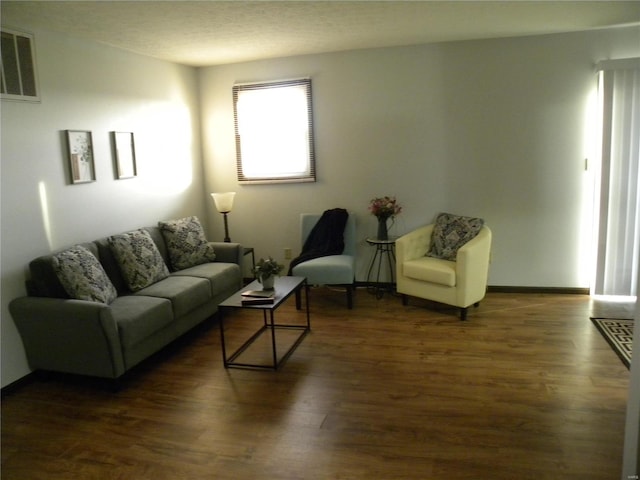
column 80, row 149
column 125, row 151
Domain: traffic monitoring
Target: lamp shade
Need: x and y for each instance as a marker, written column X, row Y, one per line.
column 223, row 201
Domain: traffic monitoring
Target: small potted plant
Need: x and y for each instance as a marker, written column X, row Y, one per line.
column 265, row 272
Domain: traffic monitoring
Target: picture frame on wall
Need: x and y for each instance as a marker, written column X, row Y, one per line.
column 80, row 152
column 125, row 155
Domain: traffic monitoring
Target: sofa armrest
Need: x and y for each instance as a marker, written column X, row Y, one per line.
column 71, row 336
column 472, row 263
column 228, row 252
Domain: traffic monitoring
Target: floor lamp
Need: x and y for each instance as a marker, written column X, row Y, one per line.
column 224, row 204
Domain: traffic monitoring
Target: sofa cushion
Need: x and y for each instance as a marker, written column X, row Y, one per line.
column 186, row 243
column 139, row 317
column 185, row 293
column 138, row 258
column 221, row 276
column 82, row 275
column 329, row 270
column 110, row 265
column 434, row 270
column 158, row 239
column 450, row 233
column 44, row 281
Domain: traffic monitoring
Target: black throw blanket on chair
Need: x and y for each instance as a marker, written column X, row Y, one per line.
column 326, row 237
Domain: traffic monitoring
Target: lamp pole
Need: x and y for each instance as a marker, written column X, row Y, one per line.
column 226, row 228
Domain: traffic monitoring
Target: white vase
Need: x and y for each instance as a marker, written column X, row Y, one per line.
column 267, row 282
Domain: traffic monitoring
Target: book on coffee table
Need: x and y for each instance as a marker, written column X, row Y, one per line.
column 258, row 294
column 257, row 300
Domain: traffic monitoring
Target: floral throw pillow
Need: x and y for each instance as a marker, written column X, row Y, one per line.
column 139, row 259
column 186, row 243
column 450, row 233
column 82, row 275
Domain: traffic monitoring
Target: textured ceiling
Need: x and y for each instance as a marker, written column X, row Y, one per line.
column 201, row 33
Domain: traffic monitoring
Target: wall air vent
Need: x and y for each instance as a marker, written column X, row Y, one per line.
column 18, row 68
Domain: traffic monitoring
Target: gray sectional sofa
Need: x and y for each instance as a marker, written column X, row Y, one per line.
column 106, row 333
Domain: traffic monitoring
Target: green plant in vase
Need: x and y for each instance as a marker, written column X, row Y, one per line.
column 265, row 272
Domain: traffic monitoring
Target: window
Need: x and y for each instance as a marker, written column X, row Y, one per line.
column 274, row 132
column 18, row 69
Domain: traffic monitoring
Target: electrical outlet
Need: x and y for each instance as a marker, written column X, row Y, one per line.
column 287, row 254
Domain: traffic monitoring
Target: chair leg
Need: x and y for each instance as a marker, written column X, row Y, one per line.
column 350, row 297
column 405, row 300
column 463, row 314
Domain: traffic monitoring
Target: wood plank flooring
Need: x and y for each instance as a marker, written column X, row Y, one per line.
column 525, row 389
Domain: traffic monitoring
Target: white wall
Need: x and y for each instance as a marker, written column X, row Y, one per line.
column 91, row 87
column 494, row 128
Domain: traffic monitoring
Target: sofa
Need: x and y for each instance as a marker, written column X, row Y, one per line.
column 100, row 308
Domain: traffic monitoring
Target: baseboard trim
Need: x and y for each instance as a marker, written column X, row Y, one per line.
column 556, row 290
column 503, row 288
column 21, row 382
column 361, row 284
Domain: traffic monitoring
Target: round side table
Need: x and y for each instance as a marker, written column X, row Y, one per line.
column 384, row 250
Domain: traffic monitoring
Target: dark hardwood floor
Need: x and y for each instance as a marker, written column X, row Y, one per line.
column 525, row 389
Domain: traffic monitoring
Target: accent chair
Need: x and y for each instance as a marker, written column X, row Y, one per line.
column 336, row 270
column 460, row 281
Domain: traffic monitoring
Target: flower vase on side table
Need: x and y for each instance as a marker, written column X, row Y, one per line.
column 383, row 233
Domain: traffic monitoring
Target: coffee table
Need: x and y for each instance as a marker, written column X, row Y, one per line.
column 284, row 288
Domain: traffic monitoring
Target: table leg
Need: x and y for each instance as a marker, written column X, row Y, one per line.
column 306, row 301
column 273, row 341
column 379, row 255
column 224, row 350
column 373, row 261
column 391, row 260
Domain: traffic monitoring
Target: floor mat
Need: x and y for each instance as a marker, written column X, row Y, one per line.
column 619, row 334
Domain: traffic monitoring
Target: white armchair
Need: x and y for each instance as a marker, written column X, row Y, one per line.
column 460, row 283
